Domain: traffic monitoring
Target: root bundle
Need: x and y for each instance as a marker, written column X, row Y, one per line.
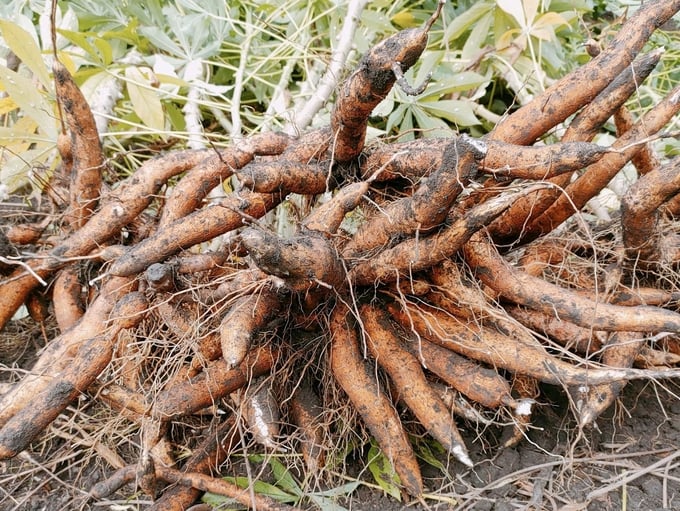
column 424, row 301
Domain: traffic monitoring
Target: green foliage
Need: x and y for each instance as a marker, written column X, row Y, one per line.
column 284, row 488
column 383, row 472
column 522, row 46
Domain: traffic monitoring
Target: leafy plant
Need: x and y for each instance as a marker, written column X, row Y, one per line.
column 285, row 488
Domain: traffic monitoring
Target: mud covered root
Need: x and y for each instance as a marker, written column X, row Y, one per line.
column 409, row 379
column 302, row 262
column 377, row 72
column 88, row 362
column 359, row 383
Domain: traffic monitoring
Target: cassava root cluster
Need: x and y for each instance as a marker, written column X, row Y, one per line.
column 420, row 308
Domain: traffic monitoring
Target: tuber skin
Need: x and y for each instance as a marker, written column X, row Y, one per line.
column 417, row 254
column 415, row 296
column 217, row 380
column 620, row 351
column 408, row 377
column 582, row 128
column 115, row 212
column 370, row 84
column 244, row 319
column 493, row 347
column 92, row 358
column 596, row 177
column 361, row 386
column 197, row 227
column 579, row 87
column 483, row 385
column 534, row 292
column 426, row 208
column 302, row 262
column 86, row 150
column 640, row 215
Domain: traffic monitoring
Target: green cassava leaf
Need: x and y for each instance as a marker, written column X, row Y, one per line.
column 221, row 502
column 466, row 21
column 263, row 488
column 477, row 40
column 24, row 93
column 25, row 47
column 145, row 101
column 383, row 472
column 457, row 111
column 284, row 479
column 82, row 40
column 448, row 82
column 430, row 125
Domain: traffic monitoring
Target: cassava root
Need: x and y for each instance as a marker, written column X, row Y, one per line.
column 395, row 296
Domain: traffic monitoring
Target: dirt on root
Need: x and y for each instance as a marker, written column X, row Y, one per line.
column 630, row 460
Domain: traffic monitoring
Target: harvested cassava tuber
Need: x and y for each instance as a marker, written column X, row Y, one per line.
column 576, row 89
column 582, row 128
column 327, row 218
column 418, row 254
column 369, row 85
column 290, row 176
column 362, row 389
column 640, row 214
column 214, row 449
column 493, row 347
column 216, row 381
column 60, row 351
column 584, row 341
column 117, row 210
column 90, row 360
column 306, row 411
column 427, row 207
column 408, row 378
column 620, row 351
column 245, row 318
column 541, row 295
column 67, row 298
column 85, row 148
column 261, row 413
column 482, row 385
column 539, row 162
column 596, row 177
column 193, row 188
column 387, row 281
column 303, row 261
column 197, row 227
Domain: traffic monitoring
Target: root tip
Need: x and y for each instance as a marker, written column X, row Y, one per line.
column 461, row 455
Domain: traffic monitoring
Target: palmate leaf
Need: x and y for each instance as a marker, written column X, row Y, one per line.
column 466, row 20
column 24, row 46
column 145, row 101
column 96, row 47
column 431, row 126
column 477, row 39
column 24, row 93
column 446, row 82
column 459, row 112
